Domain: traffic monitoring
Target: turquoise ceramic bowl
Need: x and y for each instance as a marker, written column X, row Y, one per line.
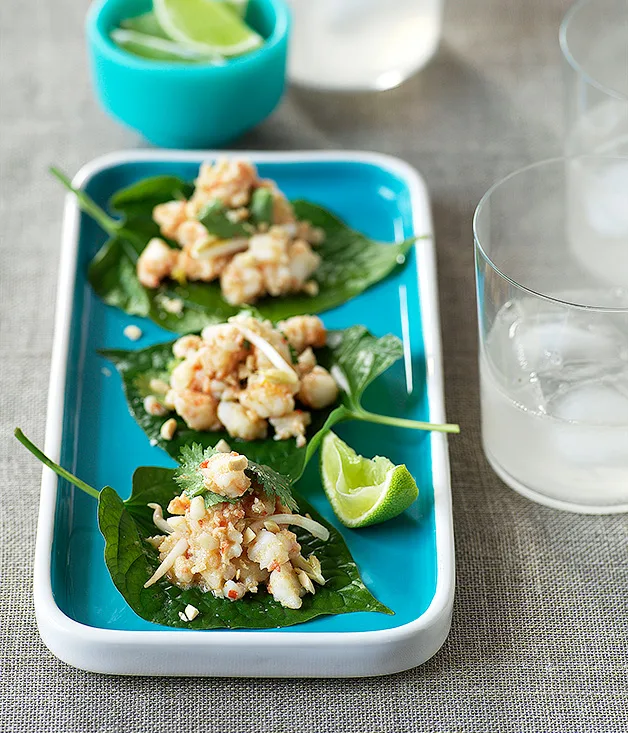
column 188, row 106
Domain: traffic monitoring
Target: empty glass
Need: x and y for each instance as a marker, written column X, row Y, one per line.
column 553, row 341
column 358, row 45
column 594, row 41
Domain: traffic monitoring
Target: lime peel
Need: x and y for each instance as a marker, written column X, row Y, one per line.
column 364, row 491
column 158, row 49
column 206, row 25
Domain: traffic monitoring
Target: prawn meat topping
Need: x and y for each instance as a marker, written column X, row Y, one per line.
column 235, row 547
column 240, row 377
column 236, row 227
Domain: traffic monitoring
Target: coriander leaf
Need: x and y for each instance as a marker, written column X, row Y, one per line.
column 187, row 476
column 261, row 207
column 351, row 262
column 214, row 218
column 190, row 480
column 272, row 483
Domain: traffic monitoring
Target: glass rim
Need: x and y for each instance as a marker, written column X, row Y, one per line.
column 548, row 162
column 571, row 59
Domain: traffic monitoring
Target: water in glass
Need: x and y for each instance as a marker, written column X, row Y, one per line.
column 362, row 44
column 554, row 385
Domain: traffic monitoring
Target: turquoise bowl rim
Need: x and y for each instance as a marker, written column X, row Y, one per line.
column 98, row 37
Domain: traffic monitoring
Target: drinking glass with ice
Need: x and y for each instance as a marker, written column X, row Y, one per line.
column 553, row 342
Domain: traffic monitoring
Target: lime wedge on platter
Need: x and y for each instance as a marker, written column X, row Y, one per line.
column 206, row 25
column 364, row 491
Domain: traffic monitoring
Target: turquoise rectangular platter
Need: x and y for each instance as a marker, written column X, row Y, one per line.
column 100, row 442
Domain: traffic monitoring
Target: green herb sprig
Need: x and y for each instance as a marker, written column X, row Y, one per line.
column 192, row 482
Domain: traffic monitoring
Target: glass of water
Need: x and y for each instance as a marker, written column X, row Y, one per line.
column 361, row 45
column 594, row 41
column 554, row 337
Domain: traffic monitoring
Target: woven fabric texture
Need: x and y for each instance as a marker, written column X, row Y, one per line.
column 539, row 641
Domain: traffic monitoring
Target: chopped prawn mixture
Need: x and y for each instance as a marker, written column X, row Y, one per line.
column 236, row 227
column 231, row 549
column 240, row 377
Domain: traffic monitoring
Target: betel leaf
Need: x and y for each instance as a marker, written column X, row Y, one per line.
column 131, row 561
column 139, row 200
column 112, row 272
column 138, row 367
column 360, row 358
column 354, row 356
column 351, row 262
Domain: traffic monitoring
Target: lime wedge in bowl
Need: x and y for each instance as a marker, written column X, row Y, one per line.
column 364, row 491
column 158, row 49
column 239, row 6
column 207, row 25
column 146, row 23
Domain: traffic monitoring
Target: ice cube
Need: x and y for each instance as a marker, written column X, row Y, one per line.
column 594, row 403
column 554, row 342
column 504, row 360
column 592, row 422
column 536, row 347
column 605, row 199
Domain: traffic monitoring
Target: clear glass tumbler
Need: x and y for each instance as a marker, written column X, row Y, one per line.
column 553, row 344
column 361, row 45
column 594, row 41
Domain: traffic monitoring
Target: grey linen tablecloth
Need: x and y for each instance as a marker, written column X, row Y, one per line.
column 539, row 640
